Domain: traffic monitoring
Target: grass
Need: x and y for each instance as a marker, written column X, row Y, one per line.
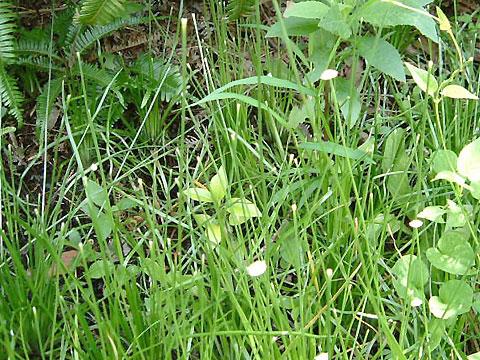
column 331, row 228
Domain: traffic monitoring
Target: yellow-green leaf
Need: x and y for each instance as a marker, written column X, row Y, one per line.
column 218, row 184
column 199, row 194
column 458, row 92
column 443, row 20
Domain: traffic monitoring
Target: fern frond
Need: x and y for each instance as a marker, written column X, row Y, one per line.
column 239, row 8
column 101, row 12
column 45, row 102
column 95, row 33
column 95, row 74
column 155, row 72
column 10, row 96
column 40, row 63
column 28, row 47
column 7, row 31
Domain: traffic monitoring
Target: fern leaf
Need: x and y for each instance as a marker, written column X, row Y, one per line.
column 239, row 8
column 101, row 12
column 7, row 31
column 155, row 72
column 10, row 96
column 28, row 47
column 45, row 102
column 39, row 63
column 95, row 33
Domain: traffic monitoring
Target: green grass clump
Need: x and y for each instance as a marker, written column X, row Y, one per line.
column 298, row 245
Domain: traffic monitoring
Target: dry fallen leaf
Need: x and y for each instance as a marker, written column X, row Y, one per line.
column 67, row 259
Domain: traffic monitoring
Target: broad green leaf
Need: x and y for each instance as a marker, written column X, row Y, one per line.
column 294, row 26
column 321, row 43
column 455, row 298
column 453, row 253
column 291, row 247
column 411, row 275
column 382, row 55
column 395, row 163
column 218, row 185
column 433, row 213
column 298, row 115
column 468, row 163
column 241, row 210
column 349, row 99
column 455, row 215
column 214, row 233
column 105, row 226
column 335, row 22
column 125, row 204
column 100, row 269
column 458, row 92
column 307, row 9
column 381, row 13
column 444, row 160
column 436, row 332
column 201, row 219
column 7, row 130
column 199, row 194
column 424, row 80
column 95, row 193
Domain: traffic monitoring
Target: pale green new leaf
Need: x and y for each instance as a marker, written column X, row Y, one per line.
column 241, row 210
column 424, row 80
column 199, row 194
column 468, row 163
column 458, row 92
column 218, row 185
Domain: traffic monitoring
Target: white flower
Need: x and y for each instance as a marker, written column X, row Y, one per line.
column 415, row 223
column 257, row 268
column 329, row 74
column 321, row 356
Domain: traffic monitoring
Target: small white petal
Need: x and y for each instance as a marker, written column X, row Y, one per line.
column 416, row 302
column 415, row 223
column 321, row 356
column 329, row 74
column 257, row 268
